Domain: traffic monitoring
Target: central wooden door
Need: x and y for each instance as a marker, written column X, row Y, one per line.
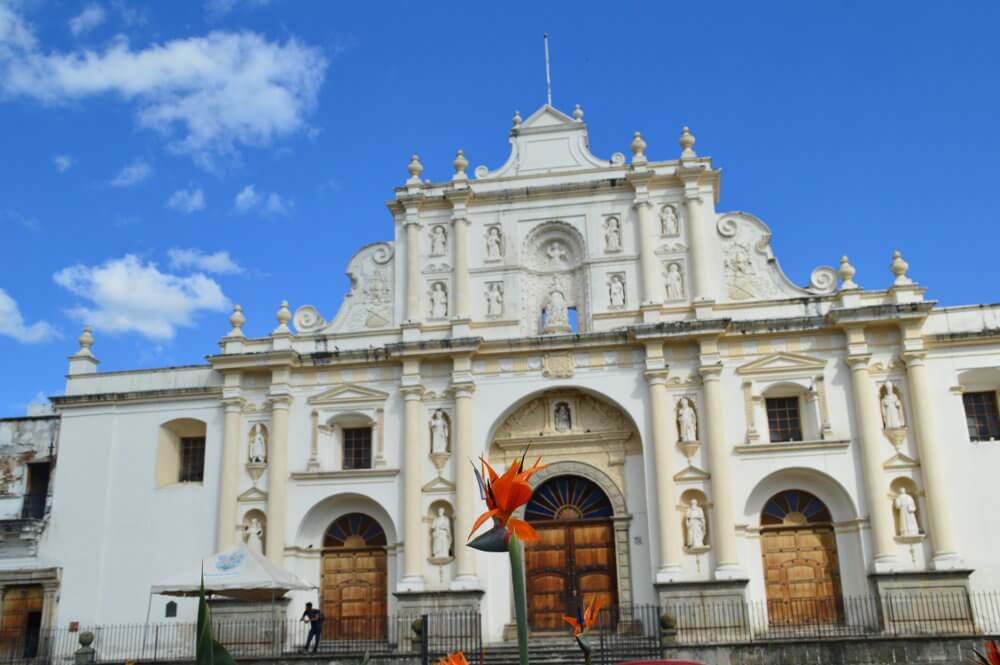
column 574, row 559
column 801, row 567
column 353, row 585
column 22, row 619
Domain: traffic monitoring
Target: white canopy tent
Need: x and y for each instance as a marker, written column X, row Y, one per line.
column 238, row 573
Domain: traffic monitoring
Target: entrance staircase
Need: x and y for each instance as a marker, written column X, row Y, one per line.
column 561, row 650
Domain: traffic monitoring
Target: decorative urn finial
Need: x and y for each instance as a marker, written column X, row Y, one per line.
column 846, row 273
column 415, row 168
column 578, row 113
column 284, row 315
column 899, row 268
column 517, row 118
column 638, row 149
column 460, row 164
column 236, row 320
column 686, row 142
column 86, row 340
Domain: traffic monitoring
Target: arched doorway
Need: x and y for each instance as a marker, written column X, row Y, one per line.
column 353, row 581
column 801, row 568
column 574, row 559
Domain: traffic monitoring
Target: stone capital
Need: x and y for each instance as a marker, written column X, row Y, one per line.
column 710, row 372
column 412, row 393
column 233, row 404
column 280, row 400
column 463, row 389
column 656, row 377
column 914, row 358
column 859, row 361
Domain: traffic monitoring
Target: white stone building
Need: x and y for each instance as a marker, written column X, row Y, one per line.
column 710, row 427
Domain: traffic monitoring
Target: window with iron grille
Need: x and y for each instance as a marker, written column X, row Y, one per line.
column 192, row 459
column 358, row 448
column 783, row 420
column 981, row 415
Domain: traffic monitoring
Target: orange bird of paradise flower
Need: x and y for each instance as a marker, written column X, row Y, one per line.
column 457, row 658
column 991, row 657
column 586, row 619
column 503, row 495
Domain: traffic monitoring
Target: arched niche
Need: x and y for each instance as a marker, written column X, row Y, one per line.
column 247, row 528
column 447, row 512
column 173, row 435
column 896, row 486
column 684, row 504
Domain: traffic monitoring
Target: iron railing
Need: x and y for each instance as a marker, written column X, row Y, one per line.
column 696, row 621
column 391, row 637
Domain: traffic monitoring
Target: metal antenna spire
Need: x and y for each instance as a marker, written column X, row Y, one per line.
column 548, row 76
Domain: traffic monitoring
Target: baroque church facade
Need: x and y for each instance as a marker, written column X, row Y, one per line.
column 710, row 428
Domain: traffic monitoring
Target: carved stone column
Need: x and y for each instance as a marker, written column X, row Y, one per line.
column 727, row 561
column 932, row 464
column 412, row 226
column 413, row 463
column 870, row 438
column 466, row 500
column 460, row 238
column 229, row 473
column 700, row 227
column 277, row 478
column 664, row 440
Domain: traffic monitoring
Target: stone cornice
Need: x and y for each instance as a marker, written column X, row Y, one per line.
column 69, row 401
column 675, row 329
column 255, row 360
column 881, row 313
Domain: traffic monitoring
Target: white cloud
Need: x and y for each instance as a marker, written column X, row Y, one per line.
column 12, row 323
column 210, row 95
column 62, row 162
column 218, row 262
column 132, row 174
column 128, row 295
column 187, row 201
column 248, row 199
column 92, row 16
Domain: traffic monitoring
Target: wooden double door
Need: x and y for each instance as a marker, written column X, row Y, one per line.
column 802, row 575
column 22, row 621
column 571, row 563
column 354, row 594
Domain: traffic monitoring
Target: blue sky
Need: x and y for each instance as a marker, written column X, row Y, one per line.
column 161, row 161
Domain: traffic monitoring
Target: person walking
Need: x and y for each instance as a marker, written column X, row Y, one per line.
column 315, row 620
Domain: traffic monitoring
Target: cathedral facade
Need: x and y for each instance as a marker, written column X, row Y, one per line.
column 709, row 428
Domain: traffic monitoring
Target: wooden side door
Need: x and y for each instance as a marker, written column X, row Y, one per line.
column 19, row 604
column 802, row 575
column 570, row 564
column 353, row 594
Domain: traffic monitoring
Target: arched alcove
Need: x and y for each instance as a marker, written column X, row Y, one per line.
column 180, row 452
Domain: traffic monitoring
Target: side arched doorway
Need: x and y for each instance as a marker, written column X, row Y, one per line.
column 574, row 559
column 801, row 567
column 353, row 582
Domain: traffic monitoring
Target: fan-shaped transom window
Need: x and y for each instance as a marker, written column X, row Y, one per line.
column 354, row 530
column 794, row 508
column 568, row 498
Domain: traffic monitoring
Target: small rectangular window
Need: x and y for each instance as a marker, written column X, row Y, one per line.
column 981, row 415
column 192, row 459
column 358, row 448
column 783, row 420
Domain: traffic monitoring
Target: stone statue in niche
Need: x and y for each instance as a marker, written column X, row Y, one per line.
column 556, row 252
column 613, row 235
column 892, row 408
column 494, row 299
column 907, row 514
column 258, row 444
column 439, row 301
column 439, row 433
column 674, row 282
column 439, row 241
column 441, row 536
column 669, row 225
column 687, row 420
column 556, row 311
column 694, row 520
column 563, row 420
column 254, row 534
column 494, row 244
column 616, row 291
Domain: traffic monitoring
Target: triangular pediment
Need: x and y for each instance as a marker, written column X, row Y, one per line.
column 691, row 473
column 439, row 486
column 900, row 461
column 253, row 495
column 783, row 363
column 547, row 116
column 349, row 394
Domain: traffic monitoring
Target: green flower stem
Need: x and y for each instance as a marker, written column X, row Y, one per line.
column 516, row 550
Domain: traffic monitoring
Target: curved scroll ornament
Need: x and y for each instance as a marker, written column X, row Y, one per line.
column 369, row 304
column 751, row 270
column 307, row 318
